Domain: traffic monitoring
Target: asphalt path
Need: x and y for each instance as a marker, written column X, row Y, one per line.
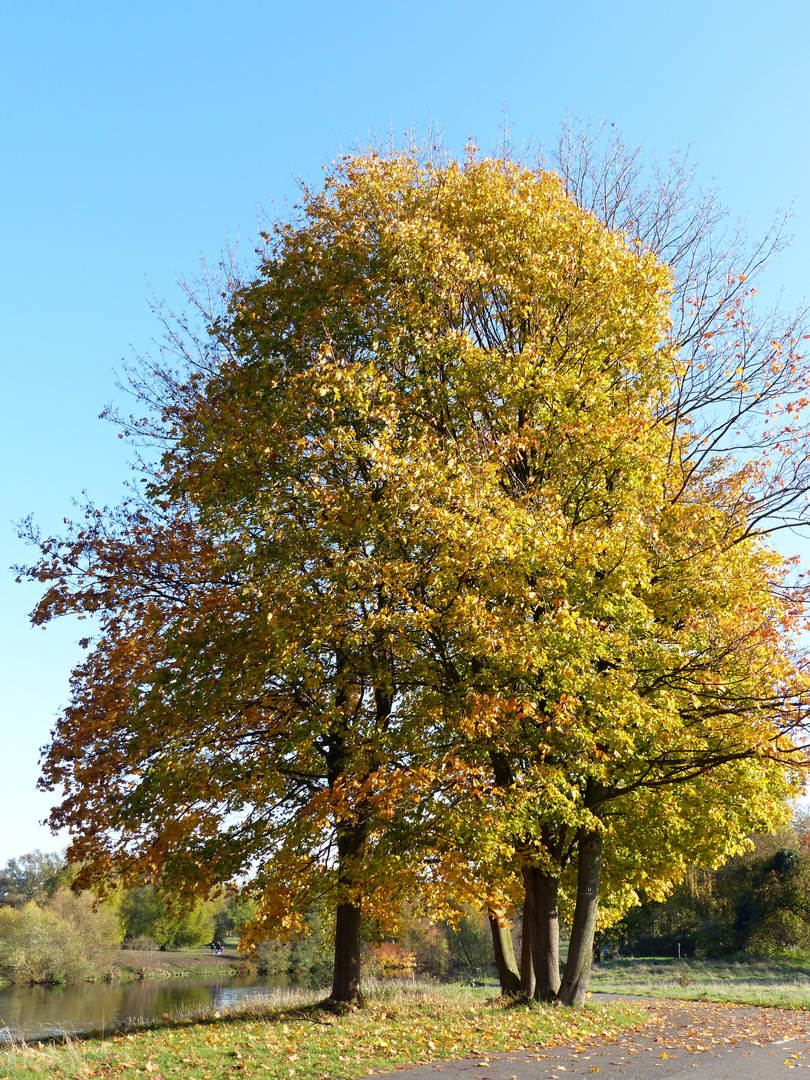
column 681, row 1041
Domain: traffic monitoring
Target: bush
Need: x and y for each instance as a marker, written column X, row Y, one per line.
column 64, row 940
column 447, row 951
column 470, row 944
column 428, row 944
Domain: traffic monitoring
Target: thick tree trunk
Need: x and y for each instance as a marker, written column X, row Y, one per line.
column 545, row 931
column 580, row 951
column 508, row 974
column 346, row 976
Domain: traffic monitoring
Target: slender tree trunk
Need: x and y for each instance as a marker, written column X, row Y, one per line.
column 351, row 843
column 526, row 962
column 508, row 974
column 580, row 952
column 545, row 931
column 346, row 976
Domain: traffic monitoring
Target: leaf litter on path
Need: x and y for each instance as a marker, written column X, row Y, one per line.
column 701, row 1026
column 674, row 1030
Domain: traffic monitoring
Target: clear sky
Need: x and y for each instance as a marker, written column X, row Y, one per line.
column 137, row 137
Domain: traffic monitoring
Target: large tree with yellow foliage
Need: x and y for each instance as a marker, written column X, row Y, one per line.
column 402, row 556
column 680, row 655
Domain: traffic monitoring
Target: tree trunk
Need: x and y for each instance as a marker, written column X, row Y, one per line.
column 346, row 978
column 526, row 963
column 351, row 843
column 352, row 833
column 505, row 962
column 545, row 931
column 580, row 952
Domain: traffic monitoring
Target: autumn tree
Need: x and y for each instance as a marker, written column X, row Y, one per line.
column 694, row 685
column 738, row 470
column 721, row 657
column 213, row 729
column 428, row 491
column 33, row 876
column 269, row 612
column 526, row 354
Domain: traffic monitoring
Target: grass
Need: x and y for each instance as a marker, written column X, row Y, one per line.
column 153, row 964
column 751, row 982
column 288, row 1037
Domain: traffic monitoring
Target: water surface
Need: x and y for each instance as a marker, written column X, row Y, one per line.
column 28, row 1012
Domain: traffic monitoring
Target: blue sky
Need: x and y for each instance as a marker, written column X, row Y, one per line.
column 137, row 138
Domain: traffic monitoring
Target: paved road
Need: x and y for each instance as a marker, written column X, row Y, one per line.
column 683, row 1041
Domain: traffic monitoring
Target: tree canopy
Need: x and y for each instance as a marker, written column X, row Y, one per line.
column 446, row 574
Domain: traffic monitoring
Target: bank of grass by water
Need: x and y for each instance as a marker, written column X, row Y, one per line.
column 784, row 983
column 130, row 964
column 288, row 1036
column 154, row 964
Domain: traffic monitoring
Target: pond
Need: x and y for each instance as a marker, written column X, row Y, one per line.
column 30, row 1012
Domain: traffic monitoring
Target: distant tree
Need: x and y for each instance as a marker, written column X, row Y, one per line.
column 34, row 876
column 757, row 903
column 147, row 914
column 232, row 915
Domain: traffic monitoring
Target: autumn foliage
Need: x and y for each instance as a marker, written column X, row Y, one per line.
column 453, row 582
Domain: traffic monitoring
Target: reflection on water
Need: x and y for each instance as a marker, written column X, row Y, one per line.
column 30, row 1011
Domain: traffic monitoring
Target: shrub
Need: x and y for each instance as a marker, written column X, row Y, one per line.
column 64, row 940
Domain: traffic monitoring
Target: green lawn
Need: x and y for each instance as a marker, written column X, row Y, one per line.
column 757, row 982
column 287, row 1037
column 153, row 964
column 294, row 1040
